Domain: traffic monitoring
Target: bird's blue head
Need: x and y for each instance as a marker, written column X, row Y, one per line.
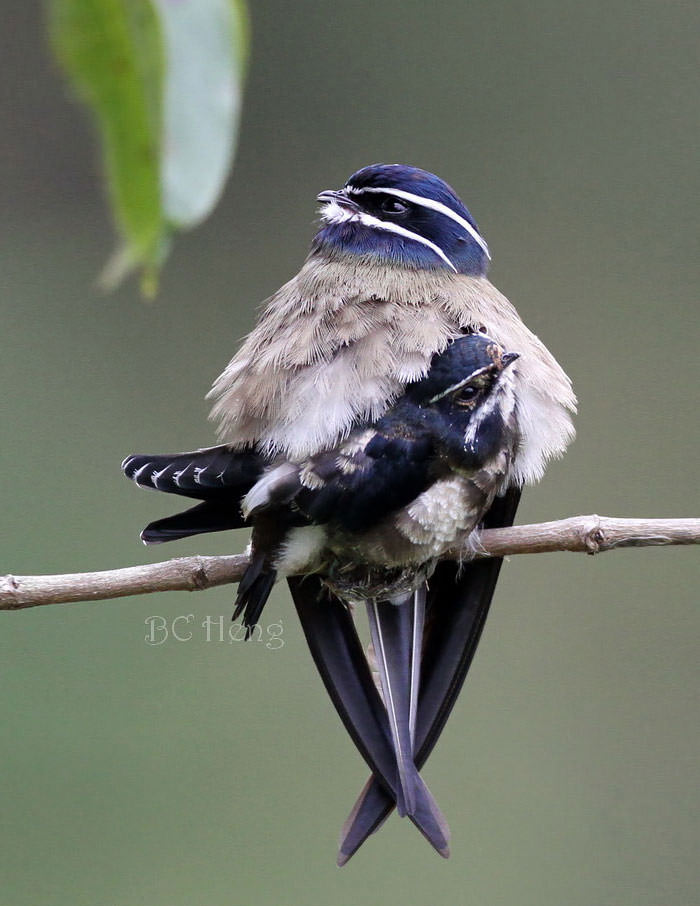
column 401, row 215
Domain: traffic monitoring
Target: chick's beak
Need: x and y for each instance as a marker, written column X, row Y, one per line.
column 508, row 358
column 339, row 197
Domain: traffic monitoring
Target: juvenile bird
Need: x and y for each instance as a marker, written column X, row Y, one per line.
column 395, row 274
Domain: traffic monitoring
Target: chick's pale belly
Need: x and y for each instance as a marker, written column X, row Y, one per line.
column 397, row 555
column 435, row 522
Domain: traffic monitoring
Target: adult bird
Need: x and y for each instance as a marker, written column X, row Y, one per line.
column 396, row 272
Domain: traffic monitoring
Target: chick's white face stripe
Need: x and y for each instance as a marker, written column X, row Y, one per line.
column 458, row 386
column 332, row 212
column 427, row 203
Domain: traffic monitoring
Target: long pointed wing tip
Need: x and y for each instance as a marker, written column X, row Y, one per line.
column 344, row 856
column 440, row 840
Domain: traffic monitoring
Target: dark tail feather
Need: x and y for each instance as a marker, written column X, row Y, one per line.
column 397, row 636
column 370, row 813
column 205, row 517
column 202, row 474
column 340, row 659
column 396, row 628
column 453, row 637
column 458, row 602
column 367, row 816
column 253, row 591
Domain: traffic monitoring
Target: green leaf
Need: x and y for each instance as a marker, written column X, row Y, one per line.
column 164, row 81
column 111, row 49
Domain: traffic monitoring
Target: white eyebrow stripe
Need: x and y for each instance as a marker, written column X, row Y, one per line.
column 452, row 389
column 459, row 384
column 427, row 203
column 332, row 212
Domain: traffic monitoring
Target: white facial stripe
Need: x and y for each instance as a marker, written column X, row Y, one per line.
column 502, row 396
column 332, row 212
column 427, row 203
column 459, row 384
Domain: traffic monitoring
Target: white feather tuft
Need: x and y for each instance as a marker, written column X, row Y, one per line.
column 301, row 551
column 264, row 489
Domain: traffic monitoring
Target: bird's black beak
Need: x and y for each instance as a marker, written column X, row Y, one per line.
column 508, row 358
column 339, row 197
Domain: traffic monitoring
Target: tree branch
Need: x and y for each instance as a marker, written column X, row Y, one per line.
column 584, row 534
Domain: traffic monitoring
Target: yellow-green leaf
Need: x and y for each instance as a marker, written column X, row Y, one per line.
column 112, row 51
column 164, row 81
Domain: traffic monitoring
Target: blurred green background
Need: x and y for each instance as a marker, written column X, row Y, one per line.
column 215, row 773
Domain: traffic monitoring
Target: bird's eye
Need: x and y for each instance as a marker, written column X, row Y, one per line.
column 393, row 206
column 466, row 395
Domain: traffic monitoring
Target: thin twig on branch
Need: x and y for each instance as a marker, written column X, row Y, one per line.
column 584, row 534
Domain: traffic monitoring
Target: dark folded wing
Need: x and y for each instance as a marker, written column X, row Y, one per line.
column 203, row 474
column 365, row 479
column 201, row 519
